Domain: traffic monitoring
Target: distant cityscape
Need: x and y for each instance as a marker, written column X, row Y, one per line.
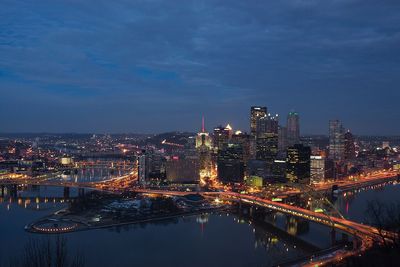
column 256, row 176
column 269, row 153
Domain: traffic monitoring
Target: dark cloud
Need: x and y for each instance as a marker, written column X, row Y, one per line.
column 142, row 66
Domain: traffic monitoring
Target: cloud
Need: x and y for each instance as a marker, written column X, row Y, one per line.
column 213, row 57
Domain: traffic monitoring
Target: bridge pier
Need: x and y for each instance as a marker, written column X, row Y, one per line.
column 66, row 192
column 251, row 211
column 2, row 191
column 333, row 236
column 81, row 192
column 12, row 190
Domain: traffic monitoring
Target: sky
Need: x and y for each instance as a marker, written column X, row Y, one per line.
column 154, row 66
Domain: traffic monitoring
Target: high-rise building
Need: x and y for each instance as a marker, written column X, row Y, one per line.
column 267, row 138
column 349, row 146
column 298, row 163
column 203, row 138
column 221, row 136
column 231, row 164
column 336, row 140
column 242, row 139
column 282, row 139
column 143, row 168
column 203, row 147
column 317, row 169
column 256, row 112
column 293, row 128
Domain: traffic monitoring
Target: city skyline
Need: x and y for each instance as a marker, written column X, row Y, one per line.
column 119, row 67
column 199, row 133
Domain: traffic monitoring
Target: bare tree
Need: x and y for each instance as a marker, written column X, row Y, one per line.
column 47, row 252
column 386, row 219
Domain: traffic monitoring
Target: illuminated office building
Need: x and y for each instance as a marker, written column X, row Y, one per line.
column 182, row 170
column 293, row 128
column 298, row 164
column 317, row 169
column 203, row 147
column 267, row 138
column 336, row 140
column 221, row 136
column 230, row 164
column 256, row 113
column 349, row 146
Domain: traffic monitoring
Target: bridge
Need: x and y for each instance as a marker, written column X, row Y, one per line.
column 364, row 236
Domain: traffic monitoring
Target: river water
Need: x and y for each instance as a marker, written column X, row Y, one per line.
column 207, row 240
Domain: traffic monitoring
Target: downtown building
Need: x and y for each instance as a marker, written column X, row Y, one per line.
column 317, row 169
column 231, row 166
column 267, row 138
column 298, row 164
column 293, row 129
column 256, row 113
column 183, row 169
column 204, row 152
column 336, row 140
column 349, row 146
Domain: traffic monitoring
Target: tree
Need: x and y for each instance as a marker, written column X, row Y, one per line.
column 48, row 252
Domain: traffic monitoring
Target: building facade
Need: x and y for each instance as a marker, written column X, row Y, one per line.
column 336, row 140
column 293, row 128
column 298, row 164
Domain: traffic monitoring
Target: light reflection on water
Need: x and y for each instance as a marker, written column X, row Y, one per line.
column 207, row 240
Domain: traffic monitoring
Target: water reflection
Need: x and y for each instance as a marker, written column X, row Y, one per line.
column 36, row 197
column 210, row 239
column 353, row 204
column 204, row 240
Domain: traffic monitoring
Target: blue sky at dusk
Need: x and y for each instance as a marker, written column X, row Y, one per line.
column 155, row 66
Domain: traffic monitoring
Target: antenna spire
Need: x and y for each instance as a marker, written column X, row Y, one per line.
column 202, row 125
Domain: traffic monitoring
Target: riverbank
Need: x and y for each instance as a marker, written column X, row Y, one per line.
column 54, row 225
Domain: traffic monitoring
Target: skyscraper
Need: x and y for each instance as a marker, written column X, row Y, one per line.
column 203, row 147
column 349, row 147
column 231, row 164
column 293, row 128
column 203, row 138
column 298, row 163
column 317, row 169
column 267, row 138
column 256, row 112
column 282, row 138
column 143, row 168
column 336, row 140
column 221, row 136
column 243, row 140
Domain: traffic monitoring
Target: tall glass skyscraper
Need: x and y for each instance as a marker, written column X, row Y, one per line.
column 256, row 113
column 336, row 140
column 293, row 128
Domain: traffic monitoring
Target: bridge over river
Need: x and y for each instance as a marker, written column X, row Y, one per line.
column 364, row 236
